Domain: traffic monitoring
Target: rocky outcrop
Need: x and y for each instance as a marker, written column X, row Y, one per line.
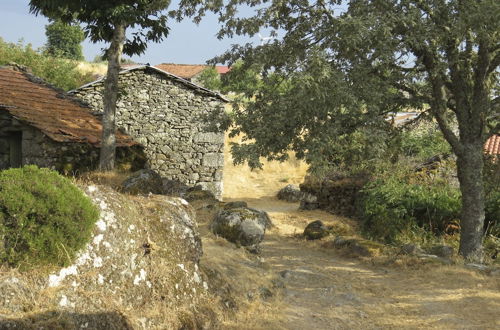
column 140, row 269
column 243, row 226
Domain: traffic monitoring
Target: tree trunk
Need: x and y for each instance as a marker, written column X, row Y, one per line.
column 470, row 174
column 108, row 144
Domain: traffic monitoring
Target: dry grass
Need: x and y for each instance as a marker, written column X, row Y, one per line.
column 96, row 69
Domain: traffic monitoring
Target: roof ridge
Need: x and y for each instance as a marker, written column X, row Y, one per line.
column 168, row 74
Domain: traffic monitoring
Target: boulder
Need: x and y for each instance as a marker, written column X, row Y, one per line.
column 442, row 251
column 174, row 188
column 144, row 181
column 235, row 205
column 316, row 230
column 243, row 226
column 290, row 193
column 198, row 194
column 309, row 202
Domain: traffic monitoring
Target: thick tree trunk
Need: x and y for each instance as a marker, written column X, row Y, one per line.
column 470, row 174
column 108, row 144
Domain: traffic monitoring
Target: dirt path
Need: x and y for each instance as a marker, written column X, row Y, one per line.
column 324, row 290
column 327, row 291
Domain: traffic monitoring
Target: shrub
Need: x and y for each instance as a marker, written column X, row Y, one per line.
column 61, row 73
column 393, row 205
column 423, row 141
column 44, row 218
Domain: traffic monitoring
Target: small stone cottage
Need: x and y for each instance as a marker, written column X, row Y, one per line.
column 44, row 126
column 167, row 115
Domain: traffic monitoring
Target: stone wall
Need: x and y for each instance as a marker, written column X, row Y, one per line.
column 167, row 117
column 67, row 157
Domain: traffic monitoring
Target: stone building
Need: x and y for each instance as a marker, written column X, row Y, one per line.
column 167, row 115
column 44, row 126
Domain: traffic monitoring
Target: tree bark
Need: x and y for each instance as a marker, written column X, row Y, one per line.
column 108, row 143
column 470, row 165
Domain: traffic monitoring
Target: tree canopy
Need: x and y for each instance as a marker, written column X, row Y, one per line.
column 340, row 65
column 64, row 40
column 101, row 17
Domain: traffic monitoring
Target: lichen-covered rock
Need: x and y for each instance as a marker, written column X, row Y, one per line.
column 243, row 226
column 144, row 181
column 290, row 193
column 316, row 230
column 144, row 252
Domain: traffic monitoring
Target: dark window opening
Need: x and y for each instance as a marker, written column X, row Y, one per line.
column 11, row 150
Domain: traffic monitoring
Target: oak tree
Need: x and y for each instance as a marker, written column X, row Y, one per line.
column 338, row 65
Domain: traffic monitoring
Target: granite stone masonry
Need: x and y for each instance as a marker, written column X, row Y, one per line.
column 167, row 115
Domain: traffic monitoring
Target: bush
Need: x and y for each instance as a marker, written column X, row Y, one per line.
column 423, row 141
column 392, row 205
column 44, row 218
column 61, row 73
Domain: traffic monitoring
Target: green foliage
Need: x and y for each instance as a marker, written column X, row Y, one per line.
column 44, row 218
column 210, row 78
column 59, row 72
column 423, row 142
column 100, row 19
column 492, row 194
column 492, row 213
column 393, row 205
column 349, row 68
column 64, row 40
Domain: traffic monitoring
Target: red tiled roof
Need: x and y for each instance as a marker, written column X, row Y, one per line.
column 56, row 114
column 188, row 71
column 492, row 145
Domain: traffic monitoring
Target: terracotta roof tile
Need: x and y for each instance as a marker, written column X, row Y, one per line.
column 188, row 71
column 56, row 114
column 492, row 145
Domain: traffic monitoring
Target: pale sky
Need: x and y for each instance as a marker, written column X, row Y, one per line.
column 187, row 43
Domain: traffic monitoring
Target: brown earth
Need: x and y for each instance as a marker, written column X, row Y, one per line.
column 324, row 289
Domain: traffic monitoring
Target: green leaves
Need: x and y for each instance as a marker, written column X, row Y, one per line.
column 101, row 17
column 64, row 40
column 40, row 212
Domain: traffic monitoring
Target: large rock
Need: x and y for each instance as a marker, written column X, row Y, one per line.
column 290, row 193
column 145, row 251
column 243, row 226
column 442, row 251
column 316, row 230
column 174, row 188
column 144, row 181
